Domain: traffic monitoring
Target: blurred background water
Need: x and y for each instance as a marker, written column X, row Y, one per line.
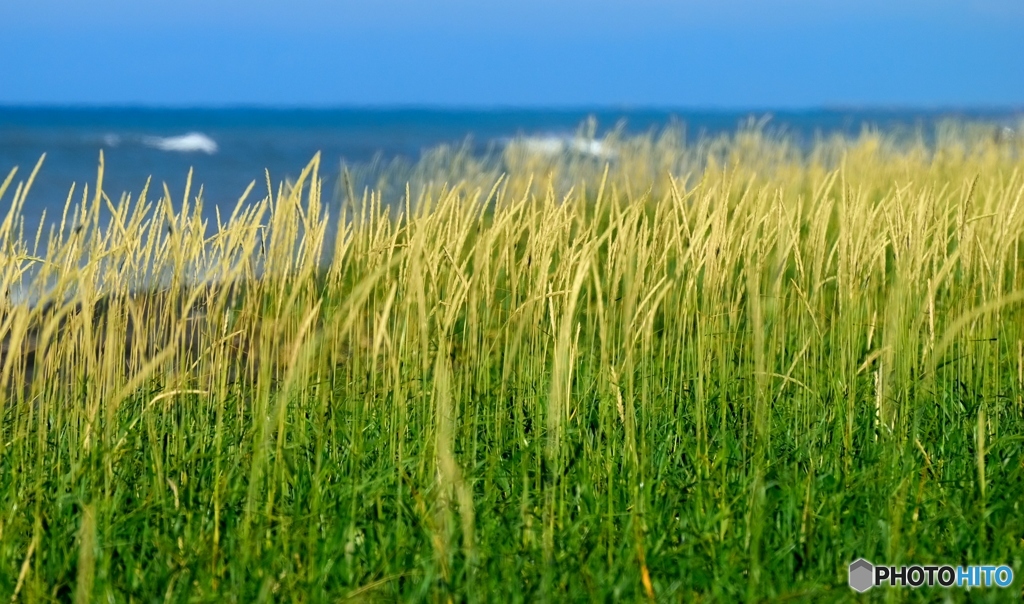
column 230, row 147
column 382, row 149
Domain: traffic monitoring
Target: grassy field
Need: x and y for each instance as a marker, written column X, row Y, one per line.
column 718, row 372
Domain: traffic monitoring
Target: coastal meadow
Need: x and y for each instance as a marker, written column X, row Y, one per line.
column 714, row 371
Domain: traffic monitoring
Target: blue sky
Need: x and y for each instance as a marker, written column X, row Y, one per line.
column 643, row 53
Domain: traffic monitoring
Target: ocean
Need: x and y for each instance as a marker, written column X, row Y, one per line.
column 230, row 147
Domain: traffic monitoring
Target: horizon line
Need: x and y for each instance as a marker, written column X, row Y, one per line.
column 992, row 108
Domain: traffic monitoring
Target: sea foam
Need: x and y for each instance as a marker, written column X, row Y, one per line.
column 186, row 143
column 556, row 145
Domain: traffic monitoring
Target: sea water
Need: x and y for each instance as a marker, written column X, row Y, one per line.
column 229, row 148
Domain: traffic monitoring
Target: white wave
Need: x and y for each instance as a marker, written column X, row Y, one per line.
column 112, row 140
column 186, row 143
column 544, row 145
column 592, row 147
column 557, row 145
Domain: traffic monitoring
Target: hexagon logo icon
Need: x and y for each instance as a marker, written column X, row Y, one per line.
column 861, row 575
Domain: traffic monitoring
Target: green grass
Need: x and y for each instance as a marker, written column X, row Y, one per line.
column 718, row 373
